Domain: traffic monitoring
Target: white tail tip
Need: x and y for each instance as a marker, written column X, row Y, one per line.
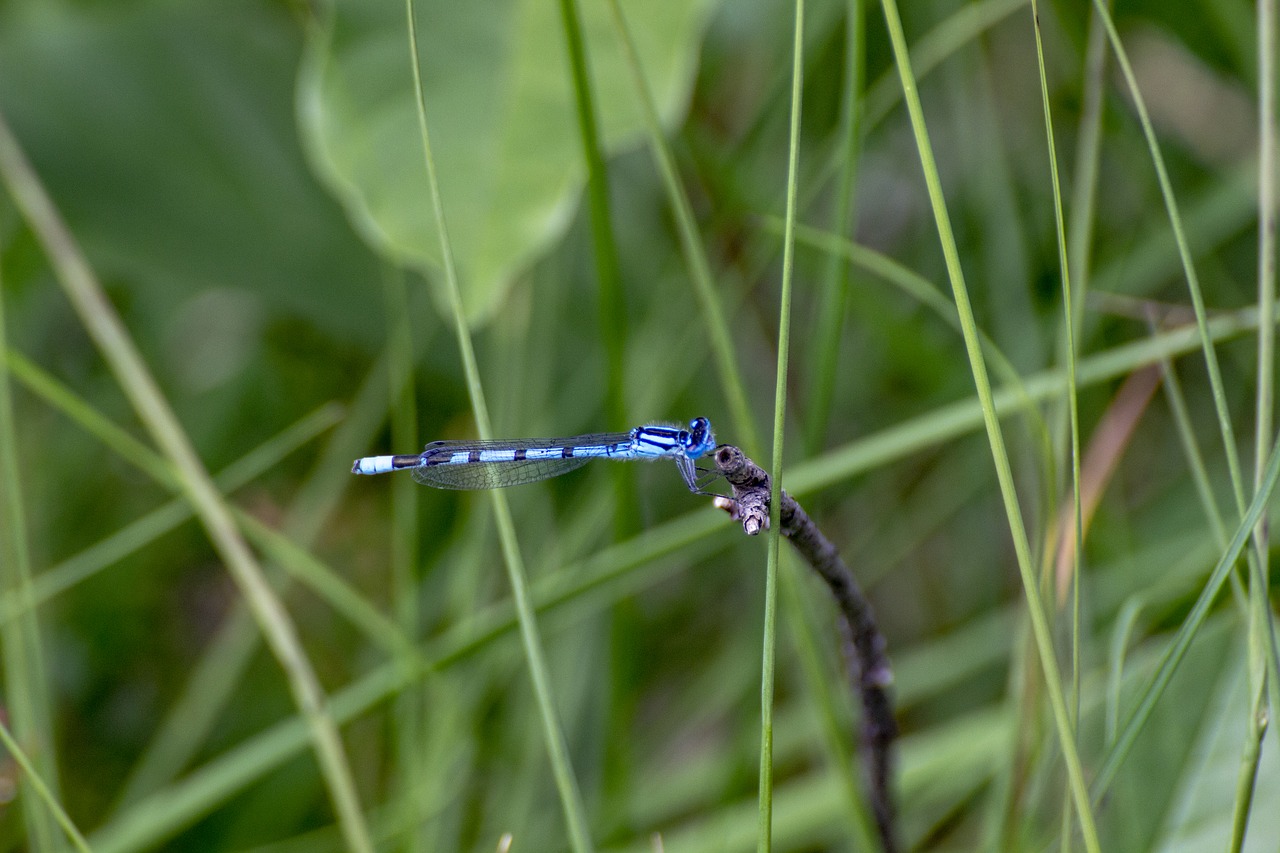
column 373, row 465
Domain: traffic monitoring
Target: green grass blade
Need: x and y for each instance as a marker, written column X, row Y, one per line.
column 33, row 778
column 1039, row 620
column 132, row 537
column 26, row 679
column 1262, row 641
column 60, row 397
column 209, row 690
column 1199, row 471
column 1184, row 255
column 1121, row 634
column 107, row 331
column 319, row 577
column 553, row 734
column 1073, row 407
column 1264, row 625
column 722, row 348
column 835, row 285
column 1267, row 173
column 618, row 758
column 929, row 51
column 1084, row 190
column 1186, row 633
column 613, row 324
column 764, row 842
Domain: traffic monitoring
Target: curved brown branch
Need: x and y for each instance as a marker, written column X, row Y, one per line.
column 864, row 645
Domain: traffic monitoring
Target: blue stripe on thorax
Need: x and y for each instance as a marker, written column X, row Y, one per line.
column 655, row 441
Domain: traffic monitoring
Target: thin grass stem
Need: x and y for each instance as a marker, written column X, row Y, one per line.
column 1068, row 312
column 1181, row 641
column 1039, row 621
column 835, row 286
column 765, row 841
column 108, row 332
column 41, row 789
column 722, row 348
column 553, row 734
column 26, row 679
column 1184, row 255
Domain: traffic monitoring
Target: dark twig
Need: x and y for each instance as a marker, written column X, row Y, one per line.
column 864, row 644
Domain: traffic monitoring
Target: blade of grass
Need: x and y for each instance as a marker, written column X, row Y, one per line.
column 1264, row 639
column 1261, row 623
column 927, row 294
column 1035, row 607
column 553, row 734
column 930, row 50
column 623, row 666
column 835, row 286
column 1084, row 190
column 1181, row 641
column 1197, row 300
column 56, row 394
column 1121, row 632
column 33, row 778
column 613, row 325
column 134, row 536
column 916, row 286
column 764, row 842
column 1184, row 255
column 26, row 679
column 1255, row 730
column 704, row 290
column 209, row 689
column 1068, row 314
column 1068, row 303
column 316, row 576
column 1196, row 464
column 1266, row 247
column 108, row 332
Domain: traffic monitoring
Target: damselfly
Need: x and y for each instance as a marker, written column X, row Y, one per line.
column 495, row 464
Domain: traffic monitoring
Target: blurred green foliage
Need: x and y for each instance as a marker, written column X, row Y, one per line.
column 245, row 180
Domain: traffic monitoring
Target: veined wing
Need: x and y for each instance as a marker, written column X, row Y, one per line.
column 499, row 463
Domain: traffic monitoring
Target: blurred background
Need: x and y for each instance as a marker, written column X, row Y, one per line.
column 247, row 181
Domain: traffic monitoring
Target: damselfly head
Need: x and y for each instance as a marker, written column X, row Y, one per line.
column 701, row 439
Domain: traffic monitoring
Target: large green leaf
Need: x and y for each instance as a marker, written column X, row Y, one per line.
column 502, row 120
column 166, row 134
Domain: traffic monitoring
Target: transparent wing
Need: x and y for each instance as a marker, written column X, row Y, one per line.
column 495, row 475
column 503, row 473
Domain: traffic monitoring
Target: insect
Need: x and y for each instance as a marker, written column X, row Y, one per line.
column 500, row 463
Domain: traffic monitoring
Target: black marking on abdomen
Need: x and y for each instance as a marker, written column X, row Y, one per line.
column 435, row 454
column 520, row 453
column 651, row 435
column 473, row 456
column 566, row 452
